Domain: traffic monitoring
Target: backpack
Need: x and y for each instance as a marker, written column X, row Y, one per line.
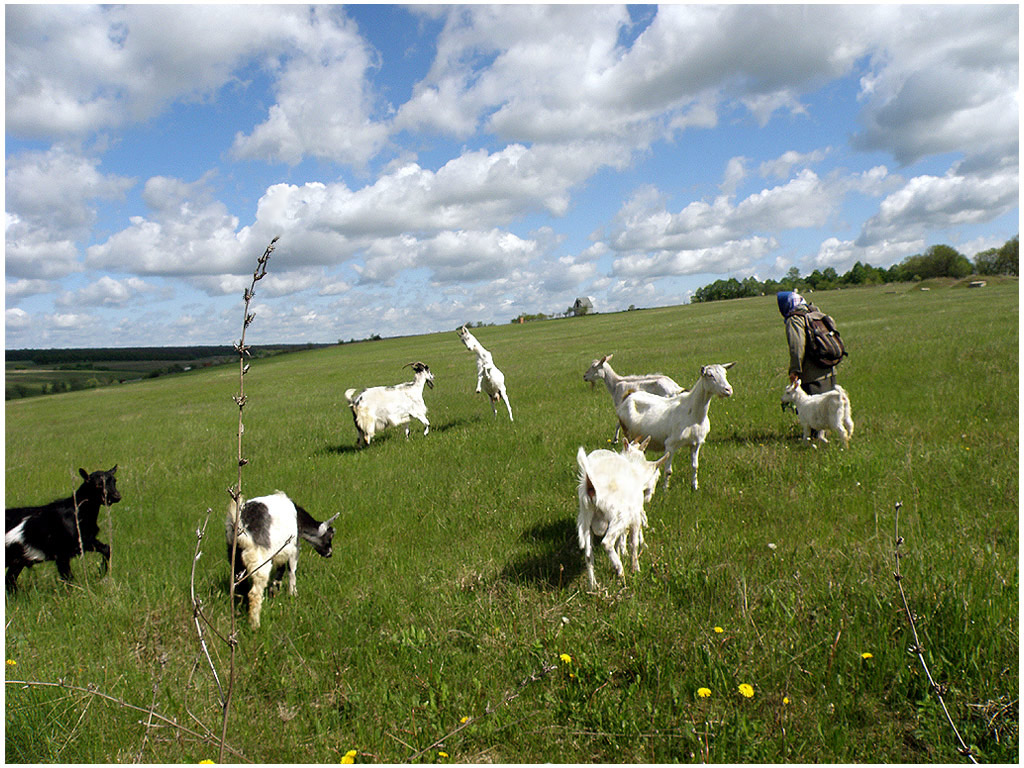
column 823, row 341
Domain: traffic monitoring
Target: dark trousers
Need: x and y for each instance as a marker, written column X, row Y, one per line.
column 824, row 384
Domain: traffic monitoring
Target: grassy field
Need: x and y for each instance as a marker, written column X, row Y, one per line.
column 436, row 633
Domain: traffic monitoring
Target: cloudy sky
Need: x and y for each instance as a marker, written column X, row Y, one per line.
column 426, row 166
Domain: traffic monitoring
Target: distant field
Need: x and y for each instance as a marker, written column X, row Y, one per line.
column 456, row 584
column 30, row 373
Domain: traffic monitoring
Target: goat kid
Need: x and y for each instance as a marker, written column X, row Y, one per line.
column 828, row 410
column 268, row 532
column 613, row 488
column 671, row 422
column 377, row 408
column 61, row 529
column 488, row 377
column 619, row 386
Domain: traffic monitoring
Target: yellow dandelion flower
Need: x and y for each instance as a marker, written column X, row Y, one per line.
column 11, row 662
column 867, row 655
column 747, row 690
column 349, row 758
column 465, row 719
column 785, row 699
column 719, row 630
column 704, row 692
column 565, row 658
column 443, row 755
column 206, row 762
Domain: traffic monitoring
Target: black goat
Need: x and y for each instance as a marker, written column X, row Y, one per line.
column 51, row 532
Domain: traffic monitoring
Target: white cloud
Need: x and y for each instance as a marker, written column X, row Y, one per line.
column 929, row 203
column 16, row 319
column 687, row 241
column 106, row 292
column 325, row 105
column 729, row 256
column 939, row 74
column 782, row 166
column 73, row 70
column 56, row 188
column 189, row 233
column 19, row 289
column 735, row 173
column 841, row 255
column 51, row 200
column 34, row 257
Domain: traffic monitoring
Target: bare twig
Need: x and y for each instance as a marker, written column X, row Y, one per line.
column 197, row 608
column 236, row 492
column 92, row 691
column 918, row 650
column 248, row 573
column 78, row 530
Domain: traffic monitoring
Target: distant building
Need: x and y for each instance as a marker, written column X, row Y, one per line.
column 583, row 305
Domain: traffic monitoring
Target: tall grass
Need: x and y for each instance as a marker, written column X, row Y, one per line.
column 456, row 583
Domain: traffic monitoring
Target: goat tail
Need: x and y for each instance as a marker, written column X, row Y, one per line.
column 350, row 395
column 847, row 411
column 581, row 461
column 584, row 518
column 587, row 488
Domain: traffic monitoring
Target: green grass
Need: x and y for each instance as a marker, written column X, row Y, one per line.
column 456, row 581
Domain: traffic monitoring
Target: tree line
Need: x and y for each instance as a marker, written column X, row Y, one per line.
column 937, row 261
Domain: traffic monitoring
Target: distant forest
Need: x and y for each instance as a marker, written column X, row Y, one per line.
column 937, row 261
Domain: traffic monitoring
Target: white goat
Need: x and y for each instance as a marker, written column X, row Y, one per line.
column 619, row 386
column 612, row 490
column 828, row 410
column 488, row 377
column 268, row 533
column 377, row 408
column 678, row 420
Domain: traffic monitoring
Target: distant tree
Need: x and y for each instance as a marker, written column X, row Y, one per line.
column 751, row 287
column 999, row 261
column 937, row 261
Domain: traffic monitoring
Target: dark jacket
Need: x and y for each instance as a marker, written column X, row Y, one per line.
column 799, row 363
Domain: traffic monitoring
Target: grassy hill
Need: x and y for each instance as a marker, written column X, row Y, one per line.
column 456, row 585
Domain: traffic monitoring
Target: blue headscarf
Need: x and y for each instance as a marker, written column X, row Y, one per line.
column 789, row 302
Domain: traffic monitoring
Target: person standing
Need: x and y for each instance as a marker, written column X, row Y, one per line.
column 814, row 377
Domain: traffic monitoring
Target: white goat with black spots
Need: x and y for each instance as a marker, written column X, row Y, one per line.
column 268, row 532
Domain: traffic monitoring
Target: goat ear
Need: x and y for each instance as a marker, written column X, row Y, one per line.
column 113, row 470
column 643, row 446
column 727, row 366
column 83, row 473
column 608, row 357
column 661, row 462
column 326, row 524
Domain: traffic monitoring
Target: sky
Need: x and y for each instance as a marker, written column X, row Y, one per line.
column 429, row 166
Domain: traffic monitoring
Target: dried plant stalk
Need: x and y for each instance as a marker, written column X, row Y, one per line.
column 918, row 650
